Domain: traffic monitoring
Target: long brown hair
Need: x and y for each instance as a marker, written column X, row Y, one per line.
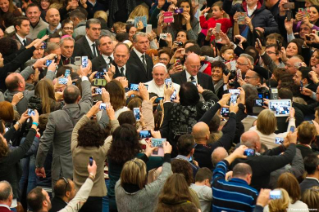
column 117, row 94
column 134, row 172
column 179, row 17
column 289, row 182
column 45, row 90
column 174, row 194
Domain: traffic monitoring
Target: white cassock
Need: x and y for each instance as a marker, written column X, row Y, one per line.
column 159, row 90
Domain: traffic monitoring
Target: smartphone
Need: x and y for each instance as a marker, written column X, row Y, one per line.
column 67, row 73
column 280, row 107
column 239, row 75
column 289, row 15
column 91, row 161
column 63, row 81
column 85, row 61
column 289, row 5
column 249, row 152
column 31, row 112
column 168, row 81
column 148, row 28
column 99, row 75
column 145, row 134
column 134, row 87
column 179, row 10
column 158, row 99
column 279, row 140
column 217, row 28
column 44, row 45
column 224, row 111
column 158, row 142
column 275, row 194
column 48, row 62
column 259, row 102
column 234, row 94
column 103, row 106
column 292, row 129
column 137, row 113
column 173, row 97
column 259, row 43
column 77, row 60
column 163, row 36
column 179, row 43
column 301, row 85
column 98, row 90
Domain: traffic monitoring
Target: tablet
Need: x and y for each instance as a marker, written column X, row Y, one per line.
column 280, row 107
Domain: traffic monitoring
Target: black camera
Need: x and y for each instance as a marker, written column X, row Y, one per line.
column 233, row 75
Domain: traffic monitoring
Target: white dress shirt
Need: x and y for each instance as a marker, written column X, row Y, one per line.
column 90, row 44
column 107, row 59
column 188, row 77
column 139, row 54
column 21, row 39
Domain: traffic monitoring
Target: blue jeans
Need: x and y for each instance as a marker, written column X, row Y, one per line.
column 28, row 179
column 105, row 200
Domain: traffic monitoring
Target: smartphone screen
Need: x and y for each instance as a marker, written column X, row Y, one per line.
column 67, row 73
column 137, row 113
column 249, row 152
column 224, row 112
column 275, row 194
column 217, row 28
column 102, row 106
column 134, row 87
column 279, row 140
column 292, row 129
column 91, row 161
column 85, row 61
column 145, row 134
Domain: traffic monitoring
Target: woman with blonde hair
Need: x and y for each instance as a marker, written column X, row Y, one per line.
column 140, row 10
column 279, row 205
column 131, row 190
column 101, row 14
column 311, row 198
column 290, row 184
column 267, row 125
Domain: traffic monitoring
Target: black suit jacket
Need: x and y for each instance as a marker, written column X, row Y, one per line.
column 28, row 40
column 64, row 61
column 82, row 48
column 134, row 59
column 203, row 80
column 98, row 63
column 132, row 73
column 57, row 204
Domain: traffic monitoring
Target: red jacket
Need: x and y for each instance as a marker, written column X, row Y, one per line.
column 4, row 209
column 211, row 23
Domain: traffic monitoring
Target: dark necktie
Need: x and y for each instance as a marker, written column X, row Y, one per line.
column 144, row 62
column 94, row 51
column 192, row 78
column 122, row 71
column 110, row 59
column 66, row 61
column 24, row 42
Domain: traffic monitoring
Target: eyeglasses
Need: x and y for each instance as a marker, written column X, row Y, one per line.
column 247, row 77
column 164, row 59
column 241, row 64
column 68, row 28
column 195, row 67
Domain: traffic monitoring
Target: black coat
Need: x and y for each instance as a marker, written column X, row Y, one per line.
column 82, row 48
column 132, row 73
column 203, row 79
column 134, row 59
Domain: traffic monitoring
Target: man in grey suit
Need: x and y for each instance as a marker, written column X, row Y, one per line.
column 59, row 128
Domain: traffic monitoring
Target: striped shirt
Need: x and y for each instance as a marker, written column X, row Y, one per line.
column 232, row 195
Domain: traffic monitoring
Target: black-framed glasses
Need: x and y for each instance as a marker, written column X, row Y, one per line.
column 66, row 184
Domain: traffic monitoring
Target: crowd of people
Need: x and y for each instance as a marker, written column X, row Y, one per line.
column 159, row 105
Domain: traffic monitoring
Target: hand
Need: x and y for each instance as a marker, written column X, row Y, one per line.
column 35, row 116
column 289, row 25
column 105, row 96
column 225, row 99
column 210, row 32
column 110, row 112
column 229, row 175
column 239, row 152
column 50, row 56
column 235, row 17
column 168, row 91
column 52, row 66
column 263, row 197
column 24, row 117
column 282, row 10
column 85, row 71
column 186, row 16
column 92, row 75
column 292, row 112
column 200, row 88
column 16, row 98
column 58, row 96
column 167, row 147
column 69, row 80
column 39, row 42
column 176, row 69
column 169, row 39
column 241, row 99
column 298, row 16
column 313, row 75
column 248, row 21
column 292, row 137
column 156, row 134
column 260, row 29
column 94, row 110
column 241, row 39
column 178, row 53
column 92, row 169
column 149, row 149
column 225, row 40
column 40, row 63
column 306, row 91
column 40, row 172
column 204, row 11
column 143, row 91
column 233, row 108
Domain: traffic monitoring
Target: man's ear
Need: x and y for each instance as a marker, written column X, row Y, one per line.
column 67, row 194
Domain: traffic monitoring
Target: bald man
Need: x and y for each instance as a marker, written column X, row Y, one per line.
column 293, row 64
column 203, row 151
column 192, row 74
column 53, row 19
column 6, row 196
column 271, row 160
column 219, row 154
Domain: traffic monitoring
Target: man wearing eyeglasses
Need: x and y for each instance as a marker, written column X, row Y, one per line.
column 64, row 192
column 192, row 74
column 271, row 57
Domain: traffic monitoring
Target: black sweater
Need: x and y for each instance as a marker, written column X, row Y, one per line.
column 10, row 169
